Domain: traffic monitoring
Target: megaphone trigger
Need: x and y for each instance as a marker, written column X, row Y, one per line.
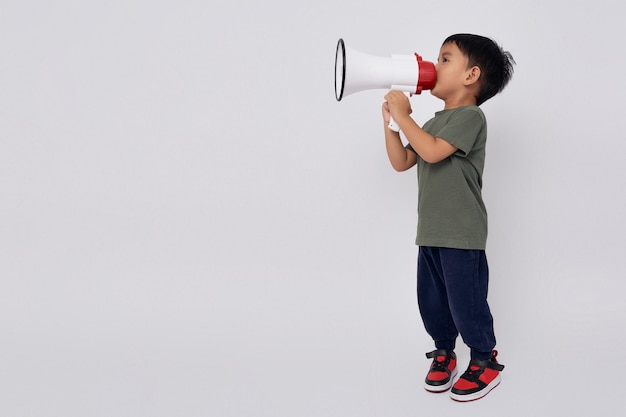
column 392, row 123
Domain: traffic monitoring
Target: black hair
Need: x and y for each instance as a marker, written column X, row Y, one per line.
column 496, row 64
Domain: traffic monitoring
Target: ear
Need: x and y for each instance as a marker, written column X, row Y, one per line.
column 472, row 75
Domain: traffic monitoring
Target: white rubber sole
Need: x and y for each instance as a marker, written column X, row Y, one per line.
column 441, row 388
column 477, row 395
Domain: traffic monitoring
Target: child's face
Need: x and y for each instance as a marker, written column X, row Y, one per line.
column 451, row 72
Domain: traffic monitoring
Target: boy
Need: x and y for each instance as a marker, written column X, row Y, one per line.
column 452, row 271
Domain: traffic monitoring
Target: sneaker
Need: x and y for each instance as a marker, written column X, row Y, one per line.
column 480, row 377
column 442, row 370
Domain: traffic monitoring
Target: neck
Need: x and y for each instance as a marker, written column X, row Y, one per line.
column 453, row 103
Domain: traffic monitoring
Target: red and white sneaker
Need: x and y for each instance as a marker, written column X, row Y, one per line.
column 478, row 380
column 442, row 370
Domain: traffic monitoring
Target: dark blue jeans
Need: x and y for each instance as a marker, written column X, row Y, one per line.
column 452, row 297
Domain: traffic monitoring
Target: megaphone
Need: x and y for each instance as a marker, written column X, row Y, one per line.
column 358, row 71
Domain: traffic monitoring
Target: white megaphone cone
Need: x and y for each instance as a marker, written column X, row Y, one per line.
column 357, row 71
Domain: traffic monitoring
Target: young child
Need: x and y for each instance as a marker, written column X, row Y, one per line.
column 449, row 150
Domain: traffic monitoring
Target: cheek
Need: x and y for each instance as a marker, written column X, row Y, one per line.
column 441, row 80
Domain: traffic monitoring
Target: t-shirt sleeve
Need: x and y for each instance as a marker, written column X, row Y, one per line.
column 462, row 130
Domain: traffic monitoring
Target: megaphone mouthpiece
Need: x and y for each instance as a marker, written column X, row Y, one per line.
column 427, row 74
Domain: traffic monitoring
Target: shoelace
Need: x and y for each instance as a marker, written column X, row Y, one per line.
column 440, row 365
column 473, row 373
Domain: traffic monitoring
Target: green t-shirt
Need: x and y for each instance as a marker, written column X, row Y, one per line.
column 451, row 212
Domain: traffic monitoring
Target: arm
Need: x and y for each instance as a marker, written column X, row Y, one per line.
column 400, row 157
column 430, row 148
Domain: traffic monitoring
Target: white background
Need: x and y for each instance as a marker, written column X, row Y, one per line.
column 192, row 225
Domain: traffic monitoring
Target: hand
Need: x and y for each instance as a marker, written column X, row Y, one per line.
column 386, row 114
column 398, row 104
